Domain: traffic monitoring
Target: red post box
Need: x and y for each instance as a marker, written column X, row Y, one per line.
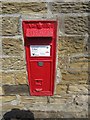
column 40, row 46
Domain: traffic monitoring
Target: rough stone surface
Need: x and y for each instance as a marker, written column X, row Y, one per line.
column 78, row 66
column 13, row 63
column 61, row 89
column 14, row 89
column 69, row 7
column 21, row 78
column 8, row 78
column 10, row 26
column 0, row 26
column 15, row 77
column 68, row 45
column 10, row 8
column 33, row 100
column 78, row 89
column 1, row 90
column 81, row 57
column 58, row 109
column 31, row 7
column 6, row 99
column 72, row 89
column 8, row 107
column 74, row 78
column 12, row 47
column 0, row 8
column 0, row 77
column 81, row 100
column 76, row 25
column 73, row 65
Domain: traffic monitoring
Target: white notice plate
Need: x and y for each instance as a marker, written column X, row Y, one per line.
column 40, row 50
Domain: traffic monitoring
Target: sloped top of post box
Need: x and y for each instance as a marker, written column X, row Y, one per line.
column 39, row 28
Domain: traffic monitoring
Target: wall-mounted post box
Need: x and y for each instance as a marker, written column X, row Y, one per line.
column 40, row 47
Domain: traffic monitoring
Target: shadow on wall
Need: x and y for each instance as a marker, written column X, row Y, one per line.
column 16, row 114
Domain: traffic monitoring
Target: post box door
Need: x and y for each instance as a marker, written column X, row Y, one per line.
column 40, row 77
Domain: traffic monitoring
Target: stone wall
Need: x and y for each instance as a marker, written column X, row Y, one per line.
column 71, row 95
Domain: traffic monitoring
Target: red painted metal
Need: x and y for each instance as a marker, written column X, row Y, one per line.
column 41, row 69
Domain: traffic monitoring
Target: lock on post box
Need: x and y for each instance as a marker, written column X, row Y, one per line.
column 40, row 47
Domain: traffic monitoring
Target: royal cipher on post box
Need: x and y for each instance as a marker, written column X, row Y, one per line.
column 40, row 48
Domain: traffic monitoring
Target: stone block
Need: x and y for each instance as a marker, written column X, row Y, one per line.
column 77, row 71
column 68, row 45
column 69, row 7
column 16, row 89
column 78, row 66
column 6, row 99
column 80, row 57
column 61, row 89
column 33, row 7
column 13, row 63
column 63, row 62
column 12, row 47
column 62, row 100
column 74, row 77
column 14, row 78
column 8, row 78
column 77, row 25
column 0, row 8
column 79, row 63
column 72, row 62
column 20, row 77
column 0, row 26
column 81, row 100
column 78, row 89
column 10, row 26
column 77, row 74
column 0, row 77
column 9, row 107
column 10, row 7
column 33, row 100
column 1, row 91
column 23, row 7
column 74, row 81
